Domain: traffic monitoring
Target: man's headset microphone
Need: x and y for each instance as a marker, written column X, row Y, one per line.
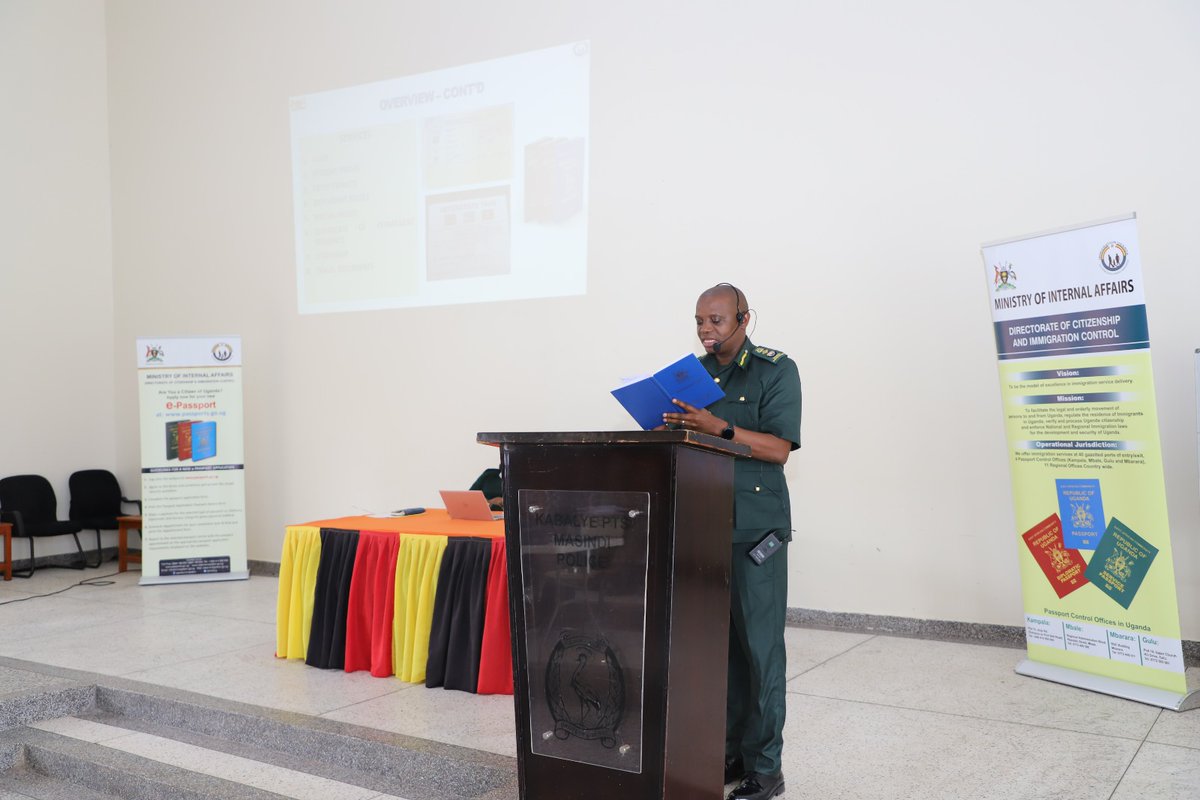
column 740, row 316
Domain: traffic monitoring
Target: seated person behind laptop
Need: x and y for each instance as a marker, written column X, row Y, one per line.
column 491, row 483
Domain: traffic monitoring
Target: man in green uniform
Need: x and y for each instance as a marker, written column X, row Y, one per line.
column 491, row 483
column 761, row 408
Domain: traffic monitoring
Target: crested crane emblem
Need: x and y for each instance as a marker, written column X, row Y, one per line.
column 585, row 689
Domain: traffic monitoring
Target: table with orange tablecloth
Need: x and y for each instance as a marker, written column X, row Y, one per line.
column 424, row 598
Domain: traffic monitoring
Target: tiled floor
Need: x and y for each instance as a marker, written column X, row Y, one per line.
column 868, row 716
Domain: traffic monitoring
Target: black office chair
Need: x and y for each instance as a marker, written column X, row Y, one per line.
column 96, row 503
column 28, row 502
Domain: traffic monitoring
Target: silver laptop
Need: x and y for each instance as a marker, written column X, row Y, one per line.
column 468, row 505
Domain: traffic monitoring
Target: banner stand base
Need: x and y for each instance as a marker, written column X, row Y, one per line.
column 1111, row 686
column 199, row 578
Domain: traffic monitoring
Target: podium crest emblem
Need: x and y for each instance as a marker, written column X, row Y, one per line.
column 585, row 689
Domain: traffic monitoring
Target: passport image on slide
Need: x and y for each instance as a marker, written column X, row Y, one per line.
column 185, row 439
column 1121, row 562
column 1064, row 568
column 554, row 179
column 204, row 440
column 648, row 397
column 1081, row 511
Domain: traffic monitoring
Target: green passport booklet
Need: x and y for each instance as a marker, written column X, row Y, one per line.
column 172, row 441
column 1120, row 562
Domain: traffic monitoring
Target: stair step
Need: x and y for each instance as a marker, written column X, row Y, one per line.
column 120, row 739
column 118, row 774
column 213, row 763
column 26, row 783
column 28, row 697
column 388, row 762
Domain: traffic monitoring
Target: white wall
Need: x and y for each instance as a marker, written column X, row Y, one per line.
column 839, row 162
column 56, row 296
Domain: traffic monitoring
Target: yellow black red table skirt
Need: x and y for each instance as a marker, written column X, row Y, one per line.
column 423, row 598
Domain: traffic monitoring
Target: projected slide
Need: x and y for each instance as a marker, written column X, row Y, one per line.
column 464, row 185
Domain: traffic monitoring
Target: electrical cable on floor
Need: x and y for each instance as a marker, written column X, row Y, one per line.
column 96, row 581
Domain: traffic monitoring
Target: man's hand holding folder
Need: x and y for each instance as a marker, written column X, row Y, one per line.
column 648, row 397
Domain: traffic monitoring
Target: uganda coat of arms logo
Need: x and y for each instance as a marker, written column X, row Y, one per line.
column 1005, row 275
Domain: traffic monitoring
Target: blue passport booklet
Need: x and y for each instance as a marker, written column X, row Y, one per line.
column 1081, row 509
column 204, row 440
column 648, row 397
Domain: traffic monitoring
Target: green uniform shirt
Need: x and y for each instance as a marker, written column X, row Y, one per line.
column 762, row 393
column 490, row 483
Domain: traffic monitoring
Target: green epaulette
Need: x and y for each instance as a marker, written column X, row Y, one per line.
column 769, row 354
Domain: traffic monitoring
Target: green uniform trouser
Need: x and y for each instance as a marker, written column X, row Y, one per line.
column 755, row 703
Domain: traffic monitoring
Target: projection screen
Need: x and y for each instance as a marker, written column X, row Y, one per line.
column 463, row 185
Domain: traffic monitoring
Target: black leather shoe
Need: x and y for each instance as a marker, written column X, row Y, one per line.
column 756, row 786
column 734, row 769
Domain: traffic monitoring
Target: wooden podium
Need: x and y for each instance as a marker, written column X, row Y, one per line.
column 618, row 573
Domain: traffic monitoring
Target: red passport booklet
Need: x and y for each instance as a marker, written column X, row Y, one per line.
column 1064, row 568
column 185, row 440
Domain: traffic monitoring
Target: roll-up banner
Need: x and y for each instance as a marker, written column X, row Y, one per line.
column 1087, row 481
column 193, row 476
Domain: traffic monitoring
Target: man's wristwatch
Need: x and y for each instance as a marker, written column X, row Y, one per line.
column 728, row 432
